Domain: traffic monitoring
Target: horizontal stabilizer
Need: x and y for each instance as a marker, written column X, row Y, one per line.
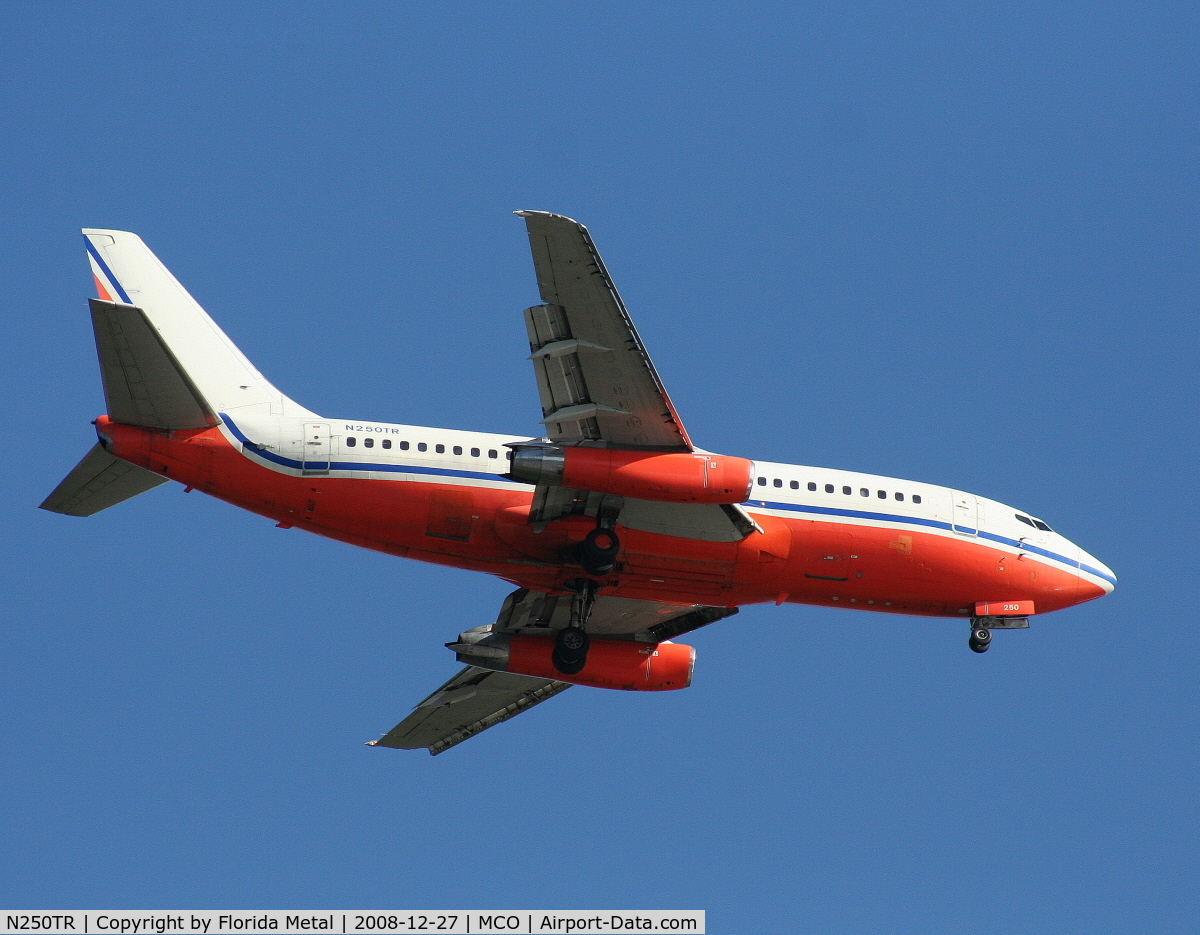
column 144, row 383
column 472, row 701
column 99, row 481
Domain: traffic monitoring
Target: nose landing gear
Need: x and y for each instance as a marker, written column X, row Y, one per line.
column 982, row 627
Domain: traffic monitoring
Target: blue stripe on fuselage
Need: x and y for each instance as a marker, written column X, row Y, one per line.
column 933, row 523
column 354, row 465
column 768, row 504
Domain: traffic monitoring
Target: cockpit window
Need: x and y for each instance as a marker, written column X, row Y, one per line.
column 1042, row 526
column 1025, row 519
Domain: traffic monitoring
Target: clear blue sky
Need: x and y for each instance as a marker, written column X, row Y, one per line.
column 954, row 242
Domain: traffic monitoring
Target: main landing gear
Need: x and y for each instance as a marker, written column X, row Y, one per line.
column 981, row 639
column 571, row 642
column 597, row 553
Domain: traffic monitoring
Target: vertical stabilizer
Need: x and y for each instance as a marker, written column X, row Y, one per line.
column 127, row 273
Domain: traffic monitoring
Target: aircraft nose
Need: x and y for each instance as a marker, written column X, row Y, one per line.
column 1097, row 571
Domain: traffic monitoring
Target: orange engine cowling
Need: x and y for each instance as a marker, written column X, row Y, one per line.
column 622, row 664
column 671, row 477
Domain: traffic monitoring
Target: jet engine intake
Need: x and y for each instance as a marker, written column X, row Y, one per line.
column 669, row 477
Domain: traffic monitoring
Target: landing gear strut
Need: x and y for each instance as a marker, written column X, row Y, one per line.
column 981, row 638
column 571, row 642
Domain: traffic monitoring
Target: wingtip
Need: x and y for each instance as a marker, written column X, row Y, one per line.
column 548, row 215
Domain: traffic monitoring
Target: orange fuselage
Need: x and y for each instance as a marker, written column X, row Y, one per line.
column 484, row 528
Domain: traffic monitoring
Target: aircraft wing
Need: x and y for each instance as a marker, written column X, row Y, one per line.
column 472, row 701
column 595, row 378
column 597, row 384
column 479, row 697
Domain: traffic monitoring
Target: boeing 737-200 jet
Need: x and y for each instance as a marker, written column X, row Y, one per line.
column 619, row 533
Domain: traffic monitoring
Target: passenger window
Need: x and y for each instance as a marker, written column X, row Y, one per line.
column 421, row 446
column 368, row 443
column 916, row 498
column 508, row 455
column 778, row 482
column 847, row 491
column 474, row 452
column 440, row 449
column 458, row 449
column 492, row 453
column 1024, row 519
column 829, row 488
column 351, row 441
column 762, row 482
column 863, row 492
column 899, row 496
column 387, row 443
column 812, row 486
column 795, row 485
column 404, row 446
column 881, row 494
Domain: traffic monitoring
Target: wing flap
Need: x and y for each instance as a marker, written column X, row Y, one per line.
column 97, row 482
column 468, row 704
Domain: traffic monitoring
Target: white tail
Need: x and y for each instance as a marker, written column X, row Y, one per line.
column 127, row 273
column 165, row 364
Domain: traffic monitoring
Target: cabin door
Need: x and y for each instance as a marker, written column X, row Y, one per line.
column 965, row 514
column 315, row 449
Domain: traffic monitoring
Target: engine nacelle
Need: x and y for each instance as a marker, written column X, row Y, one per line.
column 677, row 477
column 621, row 664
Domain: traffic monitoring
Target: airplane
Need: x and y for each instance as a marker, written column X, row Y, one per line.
column 619, row 533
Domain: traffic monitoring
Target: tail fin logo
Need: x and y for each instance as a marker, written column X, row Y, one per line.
column 107, row 285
